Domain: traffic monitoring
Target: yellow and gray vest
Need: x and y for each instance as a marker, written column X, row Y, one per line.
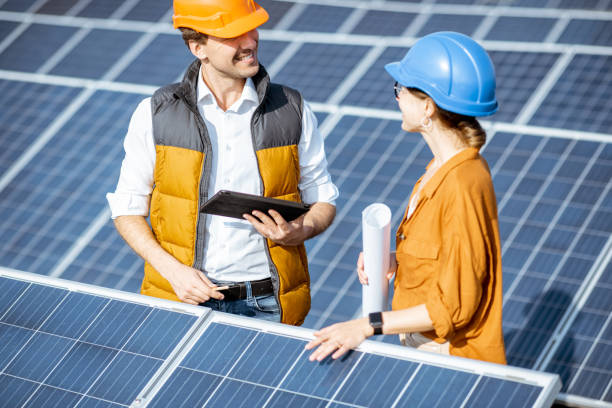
column 182, row 173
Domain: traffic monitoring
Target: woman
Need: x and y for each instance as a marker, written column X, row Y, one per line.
column 448, row 284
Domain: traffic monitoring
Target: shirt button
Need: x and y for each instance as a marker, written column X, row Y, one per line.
column 227, row 180
column 228, row 148
column 401, row 237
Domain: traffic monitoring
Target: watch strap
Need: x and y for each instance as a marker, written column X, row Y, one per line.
column 376, row 321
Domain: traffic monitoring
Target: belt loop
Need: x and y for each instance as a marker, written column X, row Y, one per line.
column 249, row 289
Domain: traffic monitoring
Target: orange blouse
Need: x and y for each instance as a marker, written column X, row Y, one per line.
column 449, row 258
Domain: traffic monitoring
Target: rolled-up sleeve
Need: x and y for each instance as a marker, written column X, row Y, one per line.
column 315, row 184
column 133, row 191
column 457, row 292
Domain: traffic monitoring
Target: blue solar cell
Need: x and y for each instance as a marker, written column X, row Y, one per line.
column 159, row 333
column 80, row 368
column 221, row 345
column 282, row 399
column 380, row 22
column 515, row 208
column 58, row 7
column 520, row 29
column 88, row 402
column 33, row 306
column 381, row 390
column 505, row 395
column 425, row 388
column 465, row 24
column 529, row 186
column 318, row 18
column 276, row 10
column 11, row 290
column 239, row 394
column 320, row 379
column 163, row 62
column 149, row 10
column 100, row 9
column 591, row 32
column 282, row 352
column 17, row 5
column 106, row 330
column 46, row 396
column 558, row 190
column 96, row 53
column 39, row 357
column 14, row 57
column 543, row 212
column 6, row 27
column 12, row 339
column 318, row 69
column 74, row 315
column 124, row 377
column 559, row 239
column 575, row 268
column 15, row 390
column 185, row 389
column 269, row 50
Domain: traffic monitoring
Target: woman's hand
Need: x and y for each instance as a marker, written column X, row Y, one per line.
column 363, row 278
column 339, row 338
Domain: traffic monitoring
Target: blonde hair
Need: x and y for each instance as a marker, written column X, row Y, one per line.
column 468, row 126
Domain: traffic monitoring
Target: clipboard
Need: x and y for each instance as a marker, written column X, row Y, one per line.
column 234, row 204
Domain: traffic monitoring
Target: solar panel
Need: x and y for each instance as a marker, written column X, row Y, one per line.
column 65, row 343
column 66, row 102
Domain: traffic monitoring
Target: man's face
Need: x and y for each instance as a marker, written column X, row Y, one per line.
column 235, row 58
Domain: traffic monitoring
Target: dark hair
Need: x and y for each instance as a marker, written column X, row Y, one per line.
column 192, row 35
column 469, row 127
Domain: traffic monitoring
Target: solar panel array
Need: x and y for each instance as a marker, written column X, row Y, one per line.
column 61, row 346
column 71, row 73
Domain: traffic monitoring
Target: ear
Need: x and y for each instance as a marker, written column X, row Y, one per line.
column 197, row 49
column 430, row 107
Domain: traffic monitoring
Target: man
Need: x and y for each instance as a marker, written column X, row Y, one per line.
column 225, row 126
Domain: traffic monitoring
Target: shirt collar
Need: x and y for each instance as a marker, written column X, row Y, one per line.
column 434, row 182
column 205, row 96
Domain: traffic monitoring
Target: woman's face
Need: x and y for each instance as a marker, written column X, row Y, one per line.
column 412, row 108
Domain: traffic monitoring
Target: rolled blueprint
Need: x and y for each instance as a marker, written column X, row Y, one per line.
column 376, row 219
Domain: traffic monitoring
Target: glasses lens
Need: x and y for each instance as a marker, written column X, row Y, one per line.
column 396, row 89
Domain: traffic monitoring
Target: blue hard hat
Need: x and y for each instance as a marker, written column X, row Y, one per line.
column 453, row 69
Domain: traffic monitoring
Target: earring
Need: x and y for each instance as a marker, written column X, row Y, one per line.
column 426, row 122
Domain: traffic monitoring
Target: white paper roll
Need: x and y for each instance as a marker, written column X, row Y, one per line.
column 376, row 219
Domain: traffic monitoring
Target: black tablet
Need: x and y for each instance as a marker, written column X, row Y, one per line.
column 234, row 204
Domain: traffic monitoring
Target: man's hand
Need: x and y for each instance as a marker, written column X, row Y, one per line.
column 276, row 228
column 191, row 285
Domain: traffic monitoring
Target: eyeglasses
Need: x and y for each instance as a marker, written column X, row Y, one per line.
column 397, row 88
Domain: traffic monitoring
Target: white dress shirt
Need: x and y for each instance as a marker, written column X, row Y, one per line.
column 234, row 250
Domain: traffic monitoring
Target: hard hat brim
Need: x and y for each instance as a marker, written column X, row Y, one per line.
column 461, row 107
column 231, row 30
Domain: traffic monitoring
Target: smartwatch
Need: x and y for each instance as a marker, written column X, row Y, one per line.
column 376, row 321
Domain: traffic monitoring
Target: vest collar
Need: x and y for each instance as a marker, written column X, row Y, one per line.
column 188, row 87
column 434, row 182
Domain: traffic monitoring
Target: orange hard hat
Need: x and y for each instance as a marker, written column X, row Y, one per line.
column 219, row 18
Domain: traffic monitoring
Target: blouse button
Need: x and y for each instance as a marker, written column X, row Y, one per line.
column 401, row 236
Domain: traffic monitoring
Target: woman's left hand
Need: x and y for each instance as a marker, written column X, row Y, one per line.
column 339, row 338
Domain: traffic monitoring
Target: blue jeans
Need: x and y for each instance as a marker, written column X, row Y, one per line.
column 259, row 307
